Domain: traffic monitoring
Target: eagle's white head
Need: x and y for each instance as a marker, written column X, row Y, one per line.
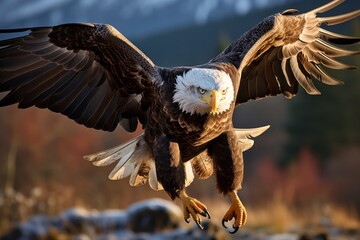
column 204, row 91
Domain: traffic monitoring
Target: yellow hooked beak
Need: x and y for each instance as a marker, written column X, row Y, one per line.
column 212, row 99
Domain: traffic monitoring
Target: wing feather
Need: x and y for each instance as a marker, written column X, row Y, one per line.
column 337, row 38
column 303, row 80
column 287, row 50
column 79, row 70
column 334, row 20
column 48, row 81
column 320, row 45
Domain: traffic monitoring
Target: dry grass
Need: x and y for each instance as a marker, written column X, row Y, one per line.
column 276, row 215
column 280, row 215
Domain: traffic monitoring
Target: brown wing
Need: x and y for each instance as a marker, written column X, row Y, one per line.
column 286, row 50
column 88, row 72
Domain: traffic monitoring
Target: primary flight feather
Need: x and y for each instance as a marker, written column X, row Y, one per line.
column 95, row 76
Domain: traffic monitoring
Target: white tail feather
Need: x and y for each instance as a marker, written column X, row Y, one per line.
column 134, row 181
column 243, row 135
column 153, row 182
column 123, row 168
column 135, row 159
column 189, row 174
column 109, row 156
column 143, row 166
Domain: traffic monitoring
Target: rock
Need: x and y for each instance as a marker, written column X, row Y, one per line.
column 283, row 236
column 74, row 222
column 319, row 236
column 211, row 231
column 77, row 220
column 34, row 228
column 154, row 215
column 153, row 219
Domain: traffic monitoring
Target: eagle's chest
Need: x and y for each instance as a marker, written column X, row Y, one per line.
column 191, row 129
column 212, row 128
column 197, row 130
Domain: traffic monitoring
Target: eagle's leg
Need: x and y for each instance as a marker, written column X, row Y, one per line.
column 193, row 207
column 236, row 211
column 226, row 152
column 171, row 174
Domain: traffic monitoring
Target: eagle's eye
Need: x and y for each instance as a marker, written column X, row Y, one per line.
column 224, row 91
column 201, row 91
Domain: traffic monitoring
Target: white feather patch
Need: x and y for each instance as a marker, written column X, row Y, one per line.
column 109, row 156
column 124, row 168
column 134, row 174
column 133, row 163
column 132, row 156
column 244, row 135
column 153, row 182
column 143, row 159
column 189, row 174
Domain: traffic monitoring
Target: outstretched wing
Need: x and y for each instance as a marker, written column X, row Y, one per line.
column 286, row 50
column 88, row 72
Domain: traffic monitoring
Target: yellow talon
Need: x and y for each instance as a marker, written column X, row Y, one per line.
column 193, row 207
column 236, row 211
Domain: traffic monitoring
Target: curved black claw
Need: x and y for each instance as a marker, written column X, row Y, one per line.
column 205, row 213
column 223, row 223
column 236, row 228
column 199, row 225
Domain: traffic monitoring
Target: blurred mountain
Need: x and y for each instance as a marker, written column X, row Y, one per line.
column 134, row 18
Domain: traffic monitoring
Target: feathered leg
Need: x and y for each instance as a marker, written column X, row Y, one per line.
column 226, row 151
column 171, row 174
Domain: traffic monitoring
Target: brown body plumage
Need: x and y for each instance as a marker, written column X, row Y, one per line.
column 95, row 76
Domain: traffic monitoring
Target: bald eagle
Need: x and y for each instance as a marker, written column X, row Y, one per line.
column 95, row 76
